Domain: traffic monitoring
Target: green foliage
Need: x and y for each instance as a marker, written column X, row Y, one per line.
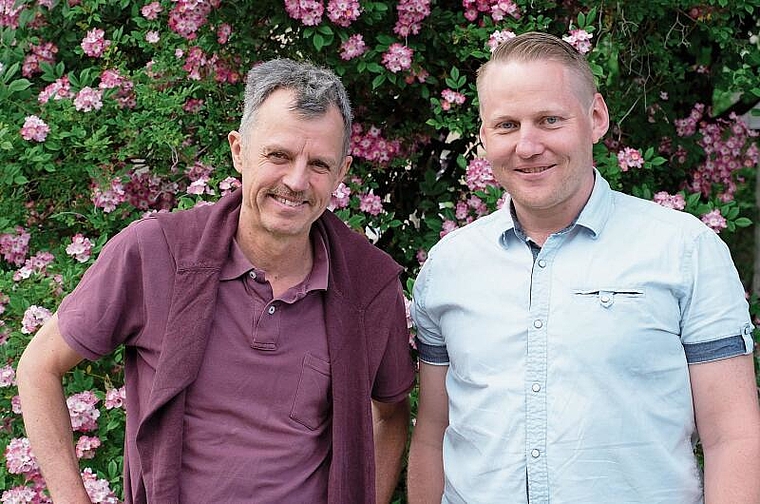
column 179, row 96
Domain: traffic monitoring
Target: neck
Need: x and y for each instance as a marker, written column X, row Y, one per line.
column 287, row 261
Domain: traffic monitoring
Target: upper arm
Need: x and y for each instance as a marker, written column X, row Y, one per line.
column 725, row 399
column 48, row 352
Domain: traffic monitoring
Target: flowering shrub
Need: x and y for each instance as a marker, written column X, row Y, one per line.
column 113, row 110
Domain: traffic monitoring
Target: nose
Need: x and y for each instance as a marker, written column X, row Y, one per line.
column 529, row 142
column 296, row 177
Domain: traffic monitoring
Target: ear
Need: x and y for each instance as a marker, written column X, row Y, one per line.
column 236, row 147
column 482, row 136
column 343, row 171
column 600, row 118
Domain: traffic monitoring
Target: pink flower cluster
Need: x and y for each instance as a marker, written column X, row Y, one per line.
column 83, row 412
column 98, row 489
column 35, row 129
column 447, row 227
column 9, row 13
column 58, row 90
column 343, row 12
column 410, row 14
column 372, row 146
column 14, row 246
column 94, row 44
column 34, row 317
column 580, row 39
column 450, row 97
column 688, row 126
column 36, row 264
column 498, row 9
column 630, row 158
column 88, row 99
column 109, row 198
column 199, row 175
column 370, row 203
column 223, row 33
column 115, row 398
column 498, row 37
column 470, row 209
column 44, row 52
column 398, row 57
column 19, row 458
column 151, row 10
column 199, row 65
column 86, row 446
column 188, row 16
column 714, row 220
column 80, row 248
column 341, row 197
column 228, row 185
column 479, row 175
column 125, row 95
column 675, row 201
column 144, row 190
column 353, row 47
column 7, row 376
column 309, row 12
column 20, row 495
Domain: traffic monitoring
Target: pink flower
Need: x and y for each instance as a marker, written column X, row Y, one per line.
column 88, row 99
column 58, row 90
column 16, row 404
column 14, row 247
column 152, row 37
column 188, row 16
column 82, row 411
column 86, row 446
column 80, row 248
column 35, row 264
column 498, row 37
column 675, row 201
column 354, row 46
column 193, row 105
column 340, row 197
column 370, row 203
column 151, row 10
column 98, row 489
column 308, row 11
column 398, row 57
column 228, row 185
column 630, row 158
column 372, row 146
column 115, row 398
column 35, row 129
column 19, row 458
column 479, row 175
column 580, row 39
column 448, row 227
column 7, row 376
column 34, row 317
column 343, row 12
column 410, row 14
column 714, row 220
column 94, row 43
column 10, row 10
column 108, row 199
column 450, row 98
column 223, row 33
column 40, row 53
column 19, row 494
column 421, row 256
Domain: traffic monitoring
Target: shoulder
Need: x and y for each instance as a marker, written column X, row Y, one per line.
column 478, row 235
column 641, row 213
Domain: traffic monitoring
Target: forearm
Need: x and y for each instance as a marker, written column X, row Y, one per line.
column 425, row 471
column 48, row 427
column 390, row 433
column 732, row 472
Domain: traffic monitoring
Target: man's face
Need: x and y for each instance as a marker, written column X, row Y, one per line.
column 290, row 165
column 538, row 129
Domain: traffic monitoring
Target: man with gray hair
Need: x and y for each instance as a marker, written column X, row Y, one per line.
column 266, row 349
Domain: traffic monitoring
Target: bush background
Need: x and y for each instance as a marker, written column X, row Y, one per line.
column 136, row 117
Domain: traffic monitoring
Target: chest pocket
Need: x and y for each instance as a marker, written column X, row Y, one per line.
column 606, row 298
column 312, row 402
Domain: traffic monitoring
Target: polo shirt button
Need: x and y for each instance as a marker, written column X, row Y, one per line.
column 536, row 387
column 538, row 324
column 535, row 453
column 541, row 263
column 252, row 274
column 271, row 310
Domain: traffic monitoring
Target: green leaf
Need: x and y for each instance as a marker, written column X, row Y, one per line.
column 743, row 222
column 377, row 81
column 319, row 41
column 325, row 30
column 19, row 85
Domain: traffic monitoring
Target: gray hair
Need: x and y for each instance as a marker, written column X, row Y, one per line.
column 316, row 90
column 539, row 46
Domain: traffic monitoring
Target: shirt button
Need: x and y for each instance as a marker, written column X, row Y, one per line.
column 271, row 310
column 252, row 274
column 536, row 387
column 541, row 263
column 538, row 324
column 605, row 299
column 535, row 453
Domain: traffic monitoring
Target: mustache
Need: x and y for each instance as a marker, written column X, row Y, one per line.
column 284, row 192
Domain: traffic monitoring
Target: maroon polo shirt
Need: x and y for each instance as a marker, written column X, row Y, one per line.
column 257, row 423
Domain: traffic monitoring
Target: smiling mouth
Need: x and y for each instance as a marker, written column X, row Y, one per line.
column 534, row 169
column 287, row 202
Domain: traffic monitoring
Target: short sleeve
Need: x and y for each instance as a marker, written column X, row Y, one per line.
column 107, row 306
column 715, row 321
column 395, row 374
column 430, row 342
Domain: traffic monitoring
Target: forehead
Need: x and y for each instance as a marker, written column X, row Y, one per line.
column 529, row 84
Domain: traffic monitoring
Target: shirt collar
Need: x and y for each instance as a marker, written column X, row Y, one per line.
column 237, row 264
column 593, row 216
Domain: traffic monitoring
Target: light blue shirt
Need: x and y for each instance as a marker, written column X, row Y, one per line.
column 568, row 375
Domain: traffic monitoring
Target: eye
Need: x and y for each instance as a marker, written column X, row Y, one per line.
column 320, row 166
column 551, row 120
column 277, row 156
column 506, row 125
